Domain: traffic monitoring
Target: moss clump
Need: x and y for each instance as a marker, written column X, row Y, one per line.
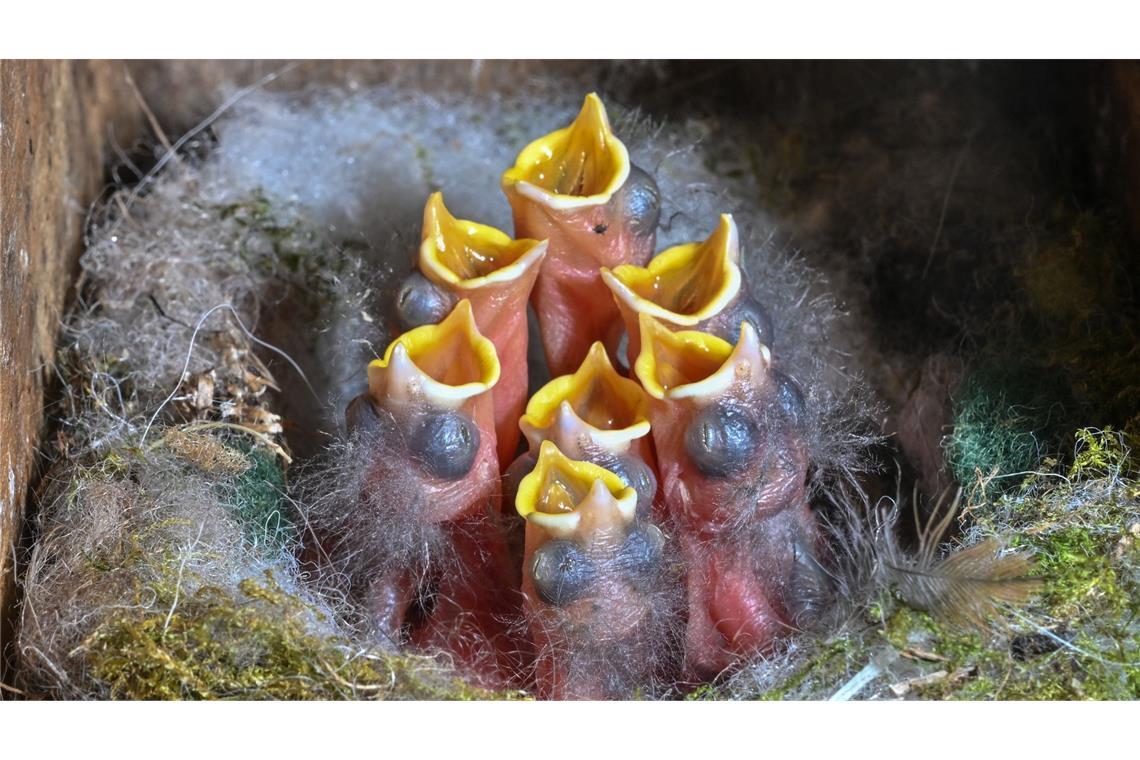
column 1079, row 638
column 1083, row 525
column 257, row 644
column 270, row 243
column 152, row 580
column 1007, row 417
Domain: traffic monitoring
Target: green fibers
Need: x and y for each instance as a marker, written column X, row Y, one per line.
column 259, row 499
column 1008, row 416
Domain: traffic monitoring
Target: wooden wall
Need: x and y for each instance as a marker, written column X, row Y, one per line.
column 57, row 120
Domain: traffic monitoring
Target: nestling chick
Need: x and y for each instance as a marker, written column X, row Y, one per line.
column 463, row 259
column 695, row 286
column 429, row 402
column 598, row 592
column 733, row 471
column 577, row 188
column 594, row 415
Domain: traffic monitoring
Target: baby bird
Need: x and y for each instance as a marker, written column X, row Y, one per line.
column 695, row 286
column 597, row 590
column 462, row 259
column 577, row 188
column 732, row 469
column 428, row 418
column 594, row 415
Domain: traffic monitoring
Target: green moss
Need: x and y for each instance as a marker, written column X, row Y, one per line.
column 258, row 644
column 829, row 664
column 704, row 693
column 1083, row 527
column 1079, row 638
column 166, row 632
column 290, row 249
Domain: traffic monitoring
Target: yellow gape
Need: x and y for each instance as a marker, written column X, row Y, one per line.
column 685, row 284
column 583, row 164
column 571, row 499
column 442, row 364
column 692, row 364
column 466, row 254
column 595, row 402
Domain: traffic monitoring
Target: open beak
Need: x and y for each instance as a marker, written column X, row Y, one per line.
column 683, row 287
column 598, row 416
column 697, row 366
column 732, row 478
column 593, row 408
column 436, row 382
column 444, row 366
column 577, row 188
column 570, row 499
column 579, row 166
column 706, row 402
column 496, row 274
column 587, row 565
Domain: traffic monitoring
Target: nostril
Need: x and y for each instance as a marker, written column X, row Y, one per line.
column 445, row 444
column 561, row 572
column 420, row 302
column 720, row 440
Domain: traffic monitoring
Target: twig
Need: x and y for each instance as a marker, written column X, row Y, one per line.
column 205, row 123
column 12, row 689
column 149, row 114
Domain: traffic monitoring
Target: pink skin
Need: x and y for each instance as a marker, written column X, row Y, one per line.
column 471, row 586
column 573, row 305
column 496, row 274
column 473, row 608
column 737, row 530
column 433, row 374
column 614, row 610
column 737, row 592
column 590, row 570
column 577, row 189
column 472, row 597
column 500, row 313
column 736, row 587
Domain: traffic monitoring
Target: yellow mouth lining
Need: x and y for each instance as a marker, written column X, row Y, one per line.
column 451, row 360
column 583, row 164
column 558, row 490
column 692, row 364
column 685, row 284
column 670, row 360
column 596, row 392
column 466, row 254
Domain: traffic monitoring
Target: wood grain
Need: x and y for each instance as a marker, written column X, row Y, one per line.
column 57, row 121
